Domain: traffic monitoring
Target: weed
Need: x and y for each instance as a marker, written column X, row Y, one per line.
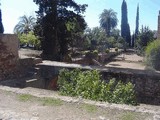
column 51, row 102
column 25, row 97
column 90, row 108
column 128, row 116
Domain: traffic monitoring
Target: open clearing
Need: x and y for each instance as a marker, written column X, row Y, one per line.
column 36, row 104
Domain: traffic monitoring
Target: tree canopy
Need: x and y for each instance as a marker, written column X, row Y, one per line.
column 108, row 20
column 25, row 25
column 57, row 21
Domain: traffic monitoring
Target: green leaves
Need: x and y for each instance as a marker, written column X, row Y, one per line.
column 25, row 25
column 29, row 38
column 88, row 84
column 153, row 54
column 60, row 23
column 108, row 20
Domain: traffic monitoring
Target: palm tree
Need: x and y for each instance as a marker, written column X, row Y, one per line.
column 108, row 20
column 25, row 24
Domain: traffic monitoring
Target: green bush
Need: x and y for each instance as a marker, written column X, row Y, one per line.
column 88, row 84
column 152, row 54
column 116, row 49
column 95, row 52
column 90, row 54
column 29, row 38
column 107, row 50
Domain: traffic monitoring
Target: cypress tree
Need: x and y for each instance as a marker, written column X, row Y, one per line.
column 133, row 39
column 1, row 25
column 125, row 28
column 137, row 22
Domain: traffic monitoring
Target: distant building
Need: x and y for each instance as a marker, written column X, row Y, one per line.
column 158, row 32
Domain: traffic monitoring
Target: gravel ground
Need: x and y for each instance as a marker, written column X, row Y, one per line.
column 15, row 106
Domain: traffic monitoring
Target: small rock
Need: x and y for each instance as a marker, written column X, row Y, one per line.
column 102, row 118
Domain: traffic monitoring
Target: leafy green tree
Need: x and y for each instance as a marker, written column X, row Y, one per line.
column 1, row 25
column 98, row 34
column 57, row 24
column 152, row 54
column 25, row 25
column 125, row 28
column 137, row 22
column 108, row 20
column 29, row 39
column 111, row 41
column 146, row 36
column 115, row 33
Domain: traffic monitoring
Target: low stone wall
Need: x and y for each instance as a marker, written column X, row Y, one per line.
column 8, row 54
column 147, row 83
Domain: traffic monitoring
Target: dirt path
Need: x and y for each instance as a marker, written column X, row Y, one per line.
column 127, row 60
column 17, row 104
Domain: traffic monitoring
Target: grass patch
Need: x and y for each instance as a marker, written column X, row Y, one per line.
column 25, row 97
column 51, row 102
column 90, row 108
column 128, row 116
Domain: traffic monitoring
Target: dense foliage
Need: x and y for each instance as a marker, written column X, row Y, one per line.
column 29, row 39
column 96, row 34
column 58, row 21
column 153, row 54
column 108, row 20
column 146, row 36
column 143, row 39
column 88, row 84
column 125, row 28
column 1, row 24
column 98, row 38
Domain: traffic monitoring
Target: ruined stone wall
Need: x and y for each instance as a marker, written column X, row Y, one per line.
column 147, row 86
column 8, row 54
column 147, row 83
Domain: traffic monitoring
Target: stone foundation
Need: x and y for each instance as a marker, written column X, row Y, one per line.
column 8, row 54
column 147, row 83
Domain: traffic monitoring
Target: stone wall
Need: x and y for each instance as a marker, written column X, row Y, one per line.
column 8, row 54
column 147, row 83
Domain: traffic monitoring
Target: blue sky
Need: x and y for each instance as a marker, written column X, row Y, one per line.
column 149, row 9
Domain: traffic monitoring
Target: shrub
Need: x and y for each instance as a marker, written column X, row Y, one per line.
column 116, row 49
column 95, row 52
column 107, row 50
column 152, row 53
column 124, row 93
column 88, row 84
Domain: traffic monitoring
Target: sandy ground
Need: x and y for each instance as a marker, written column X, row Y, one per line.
column 125, row 60
column 14, row 108
column 25, row 53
